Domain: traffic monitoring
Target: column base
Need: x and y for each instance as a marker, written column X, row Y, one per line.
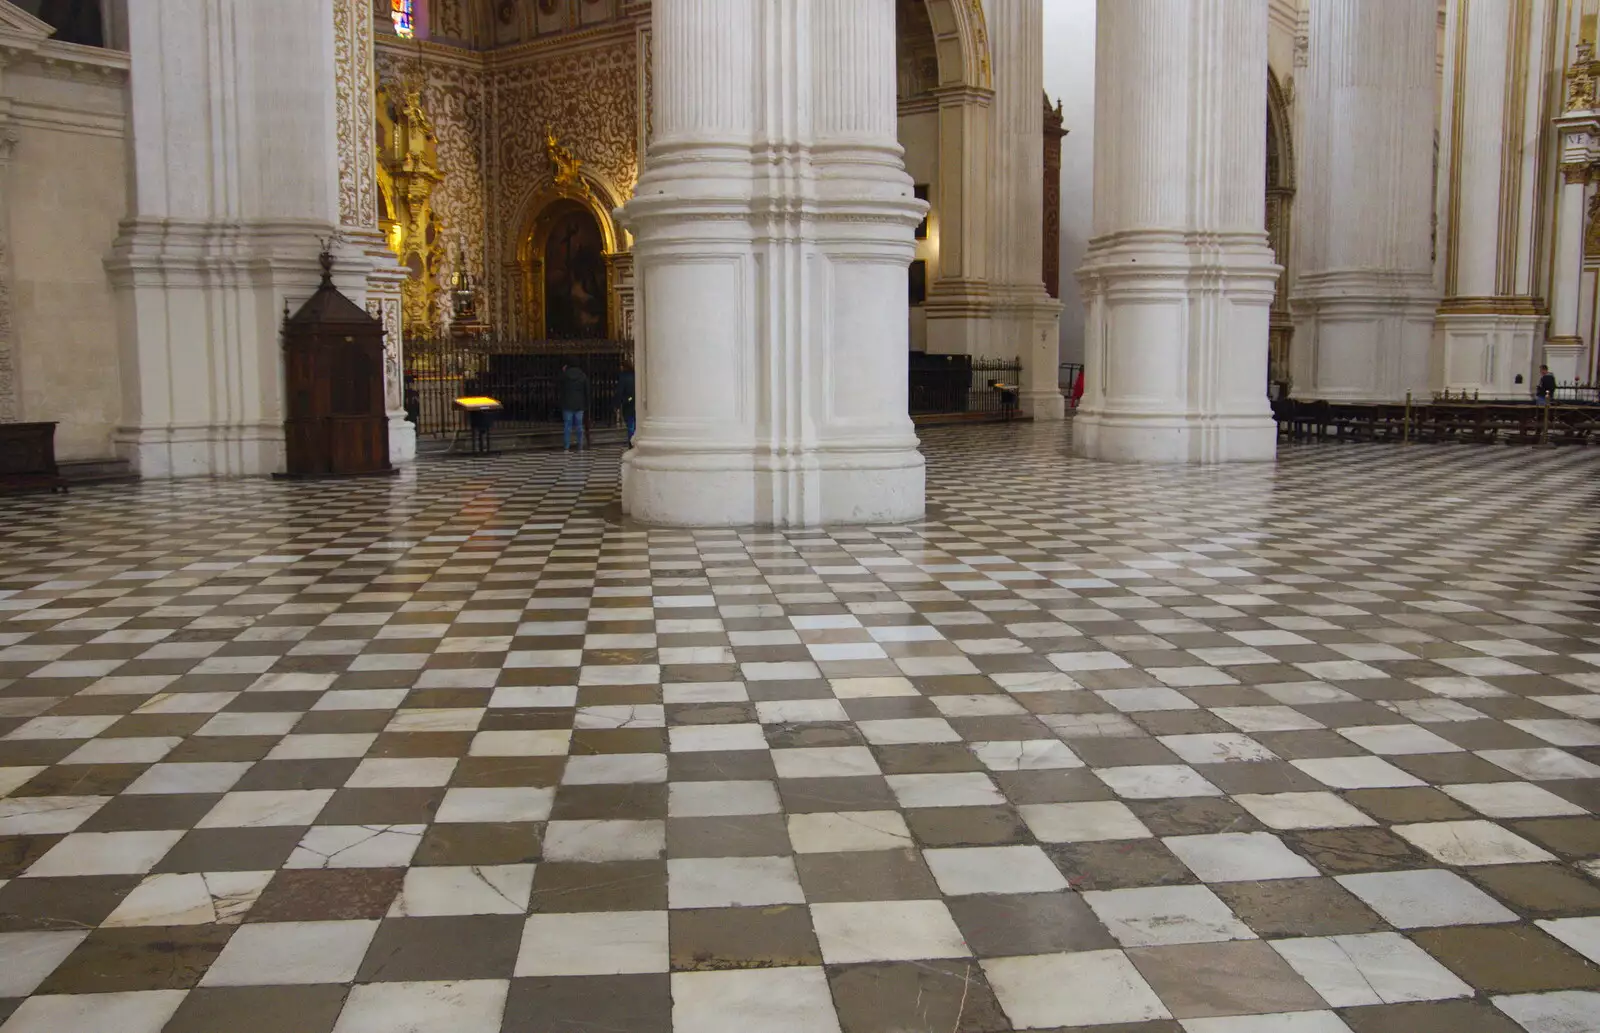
column 1176, row 353
column 253, row 450
column 402, row 439
column 738, row 489
column 1132, row 438
column 1568, row 359
column 1486, row 352
column 1363, row 336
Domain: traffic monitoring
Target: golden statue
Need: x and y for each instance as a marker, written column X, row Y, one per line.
column 563, row 165
column 408, row 174
column 1581, row 80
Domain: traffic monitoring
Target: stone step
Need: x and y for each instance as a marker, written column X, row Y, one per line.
column 96, row 471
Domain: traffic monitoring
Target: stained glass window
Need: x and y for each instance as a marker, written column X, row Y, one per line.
column 405, row 18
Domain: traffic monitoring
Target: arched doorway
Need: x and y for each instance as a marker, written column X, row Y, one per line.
column 1280, row 197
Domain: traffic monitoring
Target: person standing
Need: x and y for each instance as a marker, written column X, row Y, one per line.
column 625, row 392
column 1545, row 391
column 572, row 393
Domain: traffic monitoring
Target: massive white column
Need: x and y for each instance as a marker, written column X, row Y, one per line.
column 235, row 179
column 1566, row 349
column 1179, row 278
column 1491, row 322
column 958, row 304
column 1365, row 297
column 773, row 226
column 1026, row 318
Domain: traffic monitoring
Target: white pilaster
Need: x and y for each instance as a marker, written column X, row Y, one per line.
column 1566, row 348
column 958, row 302
column 1026, row 318
column 234, row 182
column 362, row 244
column 1365, row 297
column 1179, row 278
column 1491, row 324
column 773, row 225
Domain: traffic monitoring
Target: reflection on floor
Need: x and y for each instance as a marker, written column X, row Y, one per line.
column 1300, row 748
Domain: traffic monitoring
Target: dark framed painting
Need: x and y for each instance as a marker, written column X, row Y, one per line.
column 919, row 282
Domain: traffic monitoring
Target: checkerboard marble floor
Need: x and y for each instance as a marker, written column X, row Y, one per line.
column 1301, row 748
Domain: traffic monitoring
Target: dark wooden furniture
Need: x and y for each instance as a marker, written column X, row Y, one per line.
column 336, row 423
column 28, row 458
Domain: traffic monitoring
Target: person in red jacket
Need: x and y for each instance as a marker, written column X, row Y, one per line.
column 1077, row 390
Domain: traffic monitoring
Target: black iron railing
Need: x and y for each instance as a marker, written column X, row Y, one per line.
column 961, row 384
column 519, row 374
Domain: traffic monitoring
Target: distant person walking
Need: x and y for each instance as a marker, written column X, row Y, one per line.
column 625, row 393
column 1545, row 391
column 572, row 393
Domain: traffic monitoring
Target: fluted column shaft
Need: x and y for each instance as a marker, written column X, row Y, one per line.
column 773, row 225
column 1179, row 278
column 1364, row 296
column 1026, row 319
column 1491, row 320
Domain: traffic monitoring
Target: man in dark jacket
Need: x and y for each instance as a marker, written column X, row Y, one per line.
column 625, row 395
column 572, row 394
column 1545, row 391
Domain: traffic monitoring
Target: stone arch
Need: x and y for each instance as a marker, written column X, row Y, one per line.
column 526, row 245
column 962, row 36
column 1280, row 187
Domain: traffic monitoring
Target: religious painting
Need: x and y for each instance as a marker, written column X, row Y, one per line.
column 575, row 277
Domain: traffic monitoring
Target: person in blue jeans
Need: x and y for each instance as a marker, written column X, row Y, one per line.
column 572, row 393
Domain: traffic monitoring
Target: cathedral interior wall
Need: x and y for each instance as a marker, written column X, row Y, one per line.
column 66, row 192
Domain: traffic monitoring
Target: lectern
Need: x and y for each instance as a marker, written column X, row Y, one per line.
column 336, row 423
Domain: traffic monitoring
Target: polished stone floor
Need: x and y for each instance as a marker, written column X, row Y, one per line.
column 1305, row 748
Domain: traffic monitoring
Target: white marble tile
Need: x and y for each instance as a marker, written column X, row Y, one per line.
column 713, row 738
column 615, row 768
column 214, row 777
column 30, row 957
column 824, row 762
column 594, row 944
column 1302, row 810
column 190, row 898
column 848, row 832
column 1398, row 740
column 778, row 1000
column 1286, row 1022
column 696, row 882
column 464, row 890
column 266, row 808
column 1156, row 782
column 511, row 804
column 1093, row 988
column 1142, row 701
column 595, row 841
column 886, row 930
column 1088, row 822
column 716, row 799
column 901, row 731
column 1420, row 899
column 527, row 742
column 1374, row 968
column 137, row 1011
column 1216, row 748
column 1512, row 800
column 1570, row 1011
column 1541, row 765
column 1266, row 719
column 800, row 711
column 16, row 777
column 1356, row 773
column 357, row 846
column 1239, row 857
column 1467, row 843
column 132, row 750
column 401, row 772
column 1025, row 755
column 105, row 853
column 459, row 1006
column 992, row 704
column 1162, row 915
column 1581, row 934
column 291, row 953
column 872, row 688
column 954, row 789
column 963, row 871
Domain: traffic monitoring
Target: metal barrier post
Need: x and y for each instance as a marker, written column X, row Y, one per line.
column 1405, row 428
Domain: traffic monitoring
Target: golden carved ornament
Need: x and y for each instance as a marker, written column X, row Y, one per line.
column 1591, row 230
column 1581, row 79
